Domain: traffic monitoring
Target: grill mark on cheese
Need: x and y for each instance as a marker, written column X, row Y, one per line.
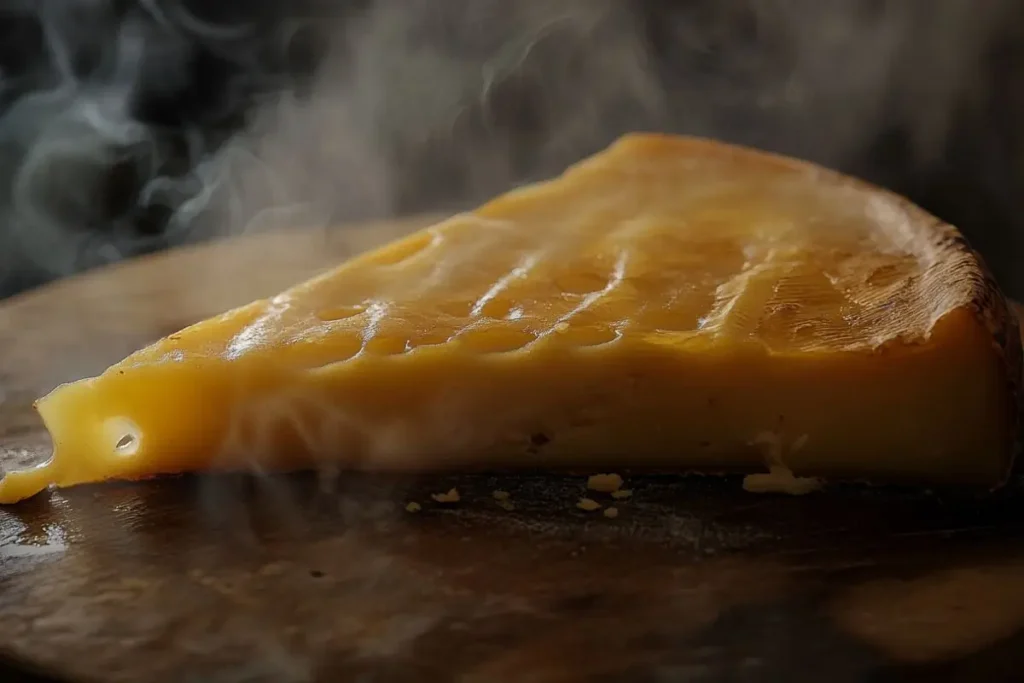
column 594, row 297
column 742, row 306
column 520, row 271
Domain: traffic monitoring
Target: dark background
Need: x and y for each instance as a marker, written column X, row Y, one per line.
column 129, row 126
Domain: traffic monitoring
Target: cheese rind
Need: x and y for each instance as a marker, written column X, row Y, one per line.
column 660, row 305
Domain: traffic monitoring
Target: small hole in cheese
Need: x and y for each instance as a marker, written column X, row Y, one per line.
column 587, row 336
column 328, row 349
column 495, row 308
column 455, row 309
column 125, row 436
column 675, row 319
column 430, row 338
column 384, row 346
column 495, row 339
column 580, row 283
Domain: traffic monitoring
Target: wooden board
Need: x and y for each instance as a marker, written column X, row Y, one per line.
column 296, row 579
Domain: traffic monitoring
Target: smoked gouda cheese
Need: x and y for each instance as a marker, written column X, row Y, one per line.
column 669, row 304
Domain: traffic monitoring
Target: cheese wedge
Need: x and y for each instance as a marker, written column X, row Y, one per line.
column 669, row 304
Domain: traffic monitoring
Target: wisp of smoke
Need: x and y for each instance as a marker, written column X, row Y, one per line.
column 130, row 126
column 109, row 109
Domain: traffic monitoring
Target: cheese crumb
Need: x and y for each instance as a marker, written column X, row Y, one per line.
column 588, row 504
column 604, row 483
column 611, row 513
column 503, row 500
column 621, row 494
column 413, row 507
column 780, row 480
column 451, row 497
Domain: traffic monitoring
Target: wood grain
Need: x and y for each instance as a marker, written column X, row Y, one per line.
column 305, row 579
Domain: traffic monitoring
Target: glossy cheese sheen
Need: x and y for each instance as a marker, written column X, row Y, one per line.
column 669, row 303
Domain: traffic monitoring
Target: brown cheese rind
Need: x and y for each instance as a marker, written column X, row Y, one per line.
column 955, row 276
column 1001, row 321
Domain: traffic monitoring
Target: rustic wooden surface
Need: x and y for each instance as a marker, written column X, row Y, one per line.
column 287, row 580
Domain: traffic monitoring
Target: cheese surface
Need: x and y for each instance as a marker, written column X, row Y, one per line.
column 664, row 304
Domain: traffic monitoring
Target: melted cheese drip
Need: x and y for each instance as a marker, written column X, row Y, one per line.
column 646, row 309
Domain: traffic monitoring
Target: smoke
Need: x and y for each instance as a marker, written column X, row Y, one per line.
column 108, row 110
column 131, row 126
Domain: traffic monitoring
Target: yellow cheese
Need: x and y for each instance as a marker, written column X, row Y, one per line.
column 662, row 305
